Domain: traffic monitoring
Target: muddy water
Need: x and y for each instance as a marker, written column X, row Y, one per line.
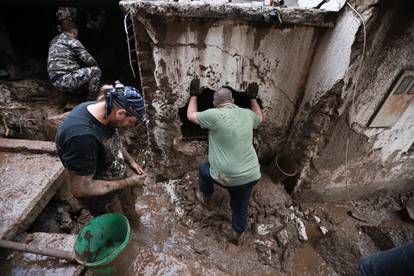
column 166, row 241
column 190, row 240
column 307, row 262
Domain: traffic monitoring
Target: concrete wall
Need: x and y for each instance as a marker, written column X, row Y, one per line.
column 220, row 53
column 378, row 158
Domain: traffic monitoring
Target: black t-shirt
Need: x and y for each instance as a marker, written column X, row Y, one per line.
column 88, row 147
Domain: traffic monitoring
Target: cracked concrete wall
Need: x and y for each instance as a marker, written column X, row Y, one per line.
column 219, row 52
column 377, row 158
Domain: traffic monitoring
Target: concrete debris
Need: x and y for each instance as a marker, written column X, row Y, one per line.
column 263, row 229
column 260, row 242
column 283, row 237
column 65, row 219
column 250, row 11
column 409, row 207
column 323, row 230
column 27, row 184
column 309, row 3
column 317, row 219
column 333, row 5
column 170, row 189
column 18, row 145
column 300, row 226
column 265, row 247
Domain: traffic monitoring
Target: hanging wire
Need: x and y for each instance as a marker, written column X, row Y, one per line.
column 353, row 98
column 129, row 46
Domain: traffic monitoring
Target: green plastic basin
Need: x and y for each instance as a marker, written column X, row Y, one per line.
column 101, row 244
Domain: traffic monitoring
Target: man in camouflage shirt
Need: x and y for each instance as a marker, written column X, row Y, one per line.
column 69, row 64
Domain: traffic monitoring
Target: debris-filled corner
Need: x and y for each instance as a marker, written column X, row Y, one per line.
column 206, row 137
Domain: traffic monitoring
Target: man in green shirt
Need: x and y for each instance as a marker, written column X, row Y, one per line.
column 233, row 162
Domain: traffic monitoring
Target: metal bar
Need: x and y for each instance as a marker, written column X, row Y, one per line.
column 57, row 253
column 60, row 2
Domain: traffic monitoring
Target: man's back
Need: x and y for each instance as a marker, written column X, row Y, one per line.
column 66, row 54
column 231, row 153
column 87, row 147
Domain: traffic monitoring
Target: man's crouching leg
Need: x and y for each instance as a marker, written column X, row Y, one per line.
column 94, row 82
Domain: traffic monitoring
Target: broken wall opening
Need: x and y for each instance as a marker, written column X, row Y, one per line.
column 191, row 131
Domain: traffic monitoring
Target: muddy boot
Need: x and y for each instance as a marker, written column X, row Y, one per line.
column 234, row 237
column 206, row 201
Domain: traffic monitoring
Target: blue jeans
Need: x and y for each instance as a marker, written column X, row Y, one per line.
column 239, row 197
column 397, row 261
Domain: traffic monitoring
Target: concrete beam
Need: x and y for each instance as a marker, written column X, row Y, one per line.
column 27, row 183
column 253, row 11
column 28, row 146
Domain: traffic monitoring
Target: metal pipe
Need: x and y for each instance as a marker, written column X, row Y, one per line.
column 59, row 2
column 57, row 253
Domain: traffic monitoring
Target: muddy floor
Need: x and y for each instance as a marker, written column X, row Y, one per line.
column 173, row 234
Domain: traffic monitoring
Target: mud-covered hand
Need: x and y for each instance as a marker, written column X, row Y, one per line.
column 251, row 91
column 136, row 168
column 136, row 180
column 195, row 87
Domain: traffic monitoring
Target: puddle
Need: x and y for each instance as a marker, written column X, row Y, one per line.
column 307, row 262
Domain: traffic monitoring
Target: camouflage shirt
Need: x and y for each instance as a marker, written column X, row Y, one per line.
column 67, row 54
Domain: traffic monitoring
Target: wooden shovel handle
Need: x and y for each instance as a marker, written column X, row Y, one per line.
column 70, row 256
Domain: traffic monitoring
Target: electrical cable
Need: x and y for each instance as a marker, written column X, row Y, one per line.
column 352, row 109
column 129, row 47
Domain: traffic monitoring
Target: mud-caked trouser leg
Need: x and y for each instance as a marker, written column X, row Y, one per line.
column 239, row 203
column 88, row 76
column 397, row 261
column 205, row 181
column 99, row 205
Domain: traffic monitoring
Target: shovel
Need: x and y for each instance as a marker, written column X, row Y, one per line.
column 51, row 252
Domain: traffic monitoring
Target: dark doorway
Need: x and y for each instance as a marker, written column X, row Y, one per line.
column 192, row 131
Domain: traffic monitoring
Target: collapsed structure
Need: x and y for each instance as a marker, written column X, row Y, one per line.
column 336, row 88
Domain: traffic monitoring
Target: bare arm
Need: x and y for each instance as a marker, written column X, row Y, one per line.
column 131, row 162
column 82, row 186
column 256, row 109
column 192, row 110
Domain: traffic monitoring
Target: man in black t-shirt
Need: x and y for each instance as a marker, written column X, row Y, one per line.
column 90, row 148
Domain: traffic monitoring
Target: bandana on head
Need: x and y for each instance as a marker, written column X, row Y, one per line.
column 127, row 98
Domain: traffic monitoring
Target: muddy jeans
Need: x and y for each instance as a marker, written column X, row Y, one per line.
column 397, row 261
column 99, row 205
column 239, row 196
column 89, row 77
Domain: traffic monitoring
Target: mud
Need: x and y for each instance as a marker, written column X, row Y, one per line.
column 173, row 234
column 174, row 226
column 25, row 107
column 177, row 236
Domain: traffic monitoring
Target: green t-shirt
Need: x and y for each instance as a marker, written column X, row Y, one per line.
column 233, row 160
